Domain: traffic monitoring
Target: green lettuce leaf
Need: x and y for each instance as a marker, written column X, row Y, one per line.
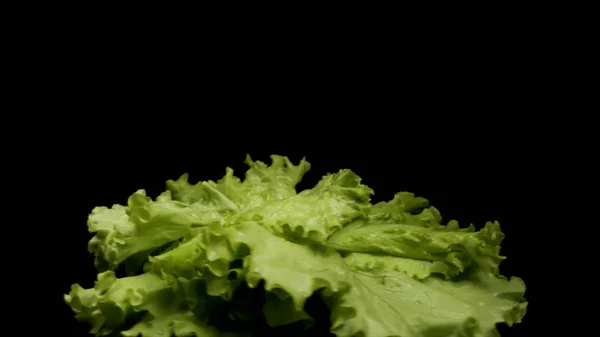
column 456, row 248
column 167, row 306
column 262, row 184
column 204, row 195
column 143, row 225
column 386, row 302
column 291, row 272
column 107, row 305
column 178, row 324
column 205, row 257
column 406, row 209
column 419, row 269
column 315, row 214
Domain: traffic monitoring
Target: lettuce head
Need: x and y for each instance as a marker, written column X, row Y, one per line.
column 242, row 257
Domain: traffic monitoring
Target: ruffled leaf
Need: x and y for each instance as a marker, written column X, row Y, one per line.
column 206, row 257
column 107, row 305
column 177, row 324
column 457, row 249
column 315, row 214
column 388, row 303
column 291, row 271
column 141, row 226
column 262, row 184
column 406, row 209
column 419, row 269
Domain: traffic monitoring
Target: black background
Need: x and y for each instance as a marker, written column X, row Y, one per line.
column 471, row 171
column 457, row 126
column 457, row 112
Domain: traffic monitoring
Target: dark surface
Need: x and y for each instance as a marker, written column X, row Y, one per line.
column 473, row 180
column 457, row 123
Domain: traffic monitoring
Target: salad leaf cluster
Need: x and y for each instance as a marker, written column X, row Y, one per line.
column 243, row 257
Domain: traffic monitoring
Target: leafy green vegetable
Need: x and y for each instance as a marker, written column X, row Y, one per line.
column 315, row 214
column 245, row 258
